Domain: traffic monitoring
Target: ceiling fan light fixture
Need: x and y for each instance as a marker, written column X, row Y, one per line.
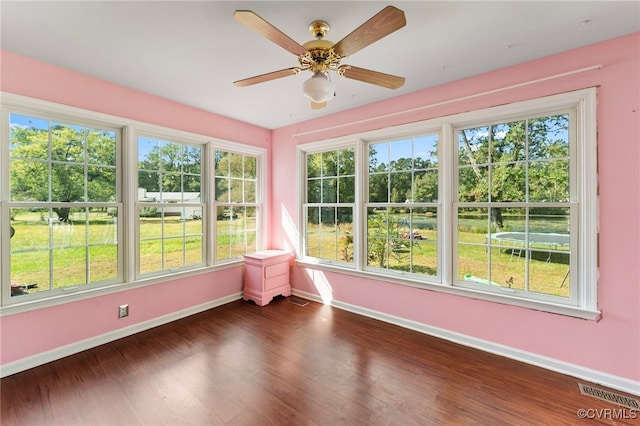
column 318, row 88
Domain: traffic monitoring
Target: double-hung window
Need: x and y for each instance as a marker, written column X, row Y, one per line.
column 515, row 206
column 237, row 194
column 169, row 205
column 498, row 204
column 63, row 205
column 402, row 205
column 329, row 205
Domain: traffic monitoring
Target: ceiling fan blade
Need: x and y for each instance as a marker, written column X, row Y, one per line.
column 380, row 25
column 373, row 77
column 267, row 77
column 318, row 105
column 265, row 29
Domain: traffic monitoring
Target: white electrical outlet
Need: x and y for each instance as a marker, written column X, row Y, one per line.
column 123, row 311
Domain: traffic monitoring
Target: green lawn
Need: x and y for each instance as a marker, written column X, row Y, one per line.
column 32, row 257
column 67, row 248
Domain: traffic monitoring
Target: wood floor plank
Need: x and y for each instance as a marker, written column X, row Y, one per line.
column 283, row 364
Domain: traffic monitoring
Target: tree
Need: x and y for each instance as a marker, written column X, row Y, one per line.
column 59, row 162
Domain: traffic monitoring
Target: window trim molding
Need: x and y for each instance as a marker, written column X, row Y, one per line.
column 583, row 101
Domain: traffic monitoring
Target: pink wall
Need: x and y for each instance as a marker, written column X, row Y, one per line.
column 41, row 330
column 611, row 345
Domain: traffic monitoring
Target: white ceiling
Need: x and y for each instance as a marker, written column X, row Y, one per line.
column 192, row 51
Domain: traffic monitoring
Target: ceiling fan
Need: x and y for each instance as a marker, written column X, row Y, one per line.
column 321, row 56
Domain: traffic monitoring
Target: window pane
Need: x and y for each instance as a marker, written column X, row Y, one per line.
column 150, row 256
column 549, row 181
column 236, row 231
column 103, row 262
column 29, row 180
column 508, row 142
column 67, row 143
column 191, row 186
column 549, row 137
column 148, row 182
column 400, row 187
column 101, row 184
column 28, row 137
column 473, row 184
column 346, row 189
column 329, row 191
column 401, row 155
column 69, row 266
column 379, row 157
column 250, row 167
column 425, row 151
column 314, row 165
column 377, row 237
column 222, row 190
column 67, row 182
column 101, row 147
column 346, row 162
column 148, row 153
column 312, row 231
column 378, row 188
column 473, row 224
column 170, row 156
column 192, row 159
column 508, row 182
column 473, row 146
column 314, row 190
column 250, row 191
column 222, row 163
column 237, row 195
column 236, row 165
column 425, row 186
column 171, row 187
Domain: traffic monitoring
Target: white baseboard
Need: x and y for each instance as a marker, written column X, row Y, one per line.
column 577, row 371
column 76, row 347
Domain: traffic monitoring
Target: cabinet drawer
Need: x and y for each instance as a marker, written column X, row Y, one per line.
column 275, row 270
column 277, row 281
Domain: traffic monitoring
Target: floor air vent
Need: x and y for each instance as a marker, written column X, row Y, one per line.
column 297, row 301
column 605, row 395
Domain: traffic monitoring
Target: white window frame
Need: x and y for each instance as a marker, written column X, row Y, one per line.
column 257, row 204
column 127, row 175
column 584, row 226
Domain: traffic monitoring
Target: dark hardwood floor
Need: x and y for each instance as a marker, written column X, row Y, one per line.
column 284, row 364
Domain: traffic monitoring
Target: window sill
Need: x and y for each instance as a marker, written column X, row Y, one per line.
column 31, row 305
column 572, row 311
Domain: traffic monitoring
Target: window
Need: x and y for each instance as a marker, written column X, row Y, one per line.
column 80, row 191
column 514, row 207
column 498, row 204
column 330, row 198
column 402, row 207
column 169, row 205
column 63, row 205
column 237, row 204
